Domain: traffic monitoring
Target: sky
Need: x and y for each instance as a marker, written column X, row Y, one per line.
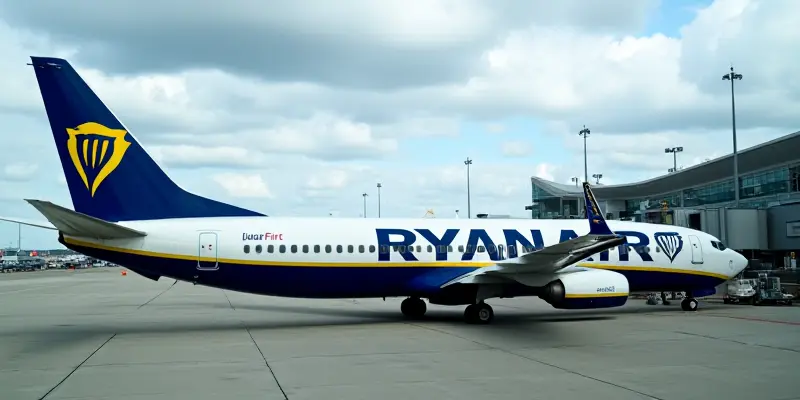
column 298, row 108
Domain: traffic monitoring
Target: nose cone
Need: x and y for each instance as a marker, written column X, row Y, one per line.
column 739, row 262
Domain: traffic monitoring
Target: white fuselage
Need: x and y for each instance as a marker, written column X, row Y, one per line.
column 353, row 248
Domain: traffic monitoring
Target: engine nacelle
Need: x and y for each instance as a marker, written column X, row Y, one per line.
column 594, row 288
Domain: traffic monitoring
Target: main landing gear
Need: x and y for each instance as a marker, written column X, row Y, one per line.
column 413, row 307
column 479, row 313
column 689, row 304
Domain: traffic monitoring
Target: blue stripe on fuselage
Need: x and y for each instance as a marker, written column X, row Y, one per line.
column 346, row 281
column 292, row 281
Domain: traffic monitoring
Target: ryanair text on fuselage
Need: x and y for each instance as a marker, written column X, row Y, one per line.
column 400, row 239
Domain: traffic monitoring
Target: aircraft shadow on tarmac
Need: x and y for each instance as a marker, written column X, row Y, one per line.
column 432, row 315
column 513, row 322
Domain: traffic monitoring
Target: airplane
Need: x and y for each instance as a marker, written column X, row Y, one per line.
column 127, row 211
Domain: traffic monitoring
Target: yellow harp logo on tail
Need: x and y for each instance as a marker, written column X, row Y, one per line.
column 96, row 148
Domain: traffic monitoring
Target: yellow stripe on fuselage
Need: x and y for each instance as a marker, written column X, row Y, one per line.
column 594, row 295
column 386, row 264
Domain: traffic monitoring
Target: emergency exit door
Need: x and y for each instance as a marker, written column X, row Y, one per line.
column 697, row 249
column 207, row 251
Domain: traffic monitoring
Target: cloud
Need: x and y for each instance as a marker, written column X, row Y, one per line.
column 19, row 172
column 495, row 128
column 301, row 110
column 516, row 148
column 244, row 185
column 193, row 156
column 354, row 43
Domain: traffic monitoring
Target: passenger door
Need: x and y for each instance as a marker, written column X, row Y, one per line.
column 697, row 249
column 207, row 251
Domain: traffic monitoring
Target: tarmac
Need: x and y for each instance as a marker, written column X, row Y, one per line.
column 95, row 334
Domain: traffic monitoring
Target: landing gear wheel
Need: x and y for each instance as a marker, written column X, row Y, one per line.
column 689, row 304
column 413, row 307
column 664, row 300
column 480, row 313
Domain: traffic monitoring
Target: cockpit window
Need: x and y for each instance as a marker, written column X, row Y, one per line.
column 718, row 245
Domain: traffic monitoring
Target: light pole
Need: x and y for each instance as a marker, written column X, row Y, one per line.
column 379, row 199
column 585, row 133
column 732, row 76
column 674, row 151
column 575, row 179
column 365, row 204
column 468, row 162
column 597, row 176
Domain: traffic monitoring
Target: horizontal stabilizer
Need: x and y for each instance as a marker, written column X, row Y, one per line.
column 74, row 223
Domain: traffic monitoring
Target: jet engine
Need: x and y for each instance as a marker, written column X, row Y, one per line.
column 592, row 288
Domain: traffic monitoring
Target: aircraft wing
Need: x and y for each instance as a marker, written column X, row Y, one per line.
column 557, row 257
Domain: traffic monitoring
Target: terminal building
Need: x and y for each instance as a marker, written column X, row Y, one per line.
column 766, row 223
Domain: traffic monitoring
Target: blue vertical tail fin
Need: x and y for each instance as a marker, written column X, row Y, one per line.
column 597, row 224
column 110, row 176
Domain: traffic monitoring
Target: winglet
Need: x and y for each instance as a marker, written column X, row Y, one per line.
column 597, row 224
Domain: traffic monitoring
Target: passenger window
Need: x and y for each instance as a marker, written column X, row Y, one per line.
column 258, row 248
column 282, row 248
column 270, row 249
column 430, row 249
column 372, row 248
column 361, row 248
column 481, row 249
column 419, row 249
column 461, row 248
column 316, row 248
column 384, row 249
column 328, row 248
column 350, row 248
column 410, row 248
column 401, row 249
column 305, row 248
column 246, row 248
column 450, row 249
column 339, row 248
column 491, row 249
column 294, row 248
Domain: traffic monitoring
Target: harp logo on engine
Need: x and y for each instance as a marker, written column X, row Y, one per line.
column 607, row 289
